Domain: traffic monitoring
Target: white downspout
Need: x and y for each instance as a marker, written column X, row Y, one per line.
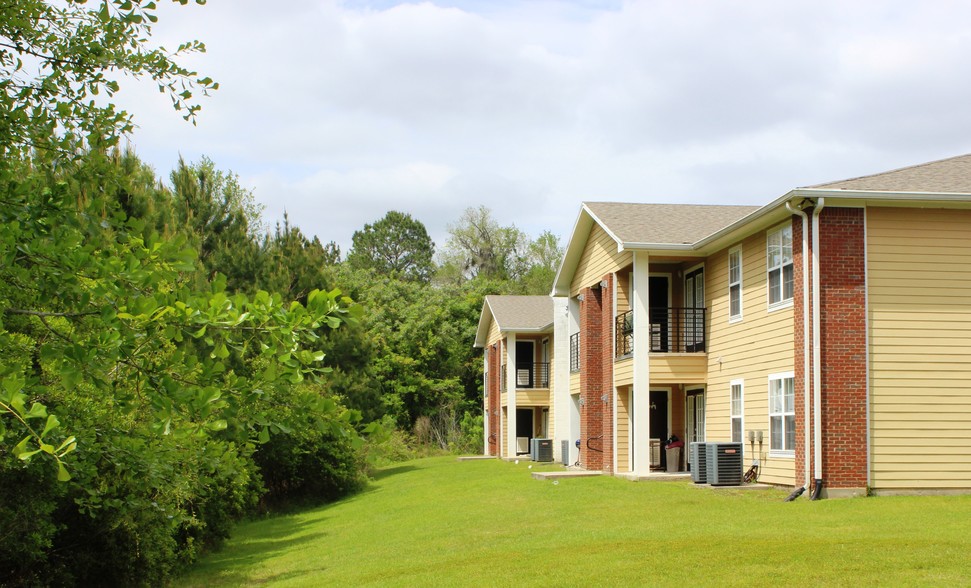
column 817, row 362
column 805, row 338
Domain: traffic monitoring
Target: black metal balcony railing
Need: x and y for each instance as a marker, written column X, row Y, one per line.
column 672, row 330
column 624, row 334
column 575, row 352
column 528, row 375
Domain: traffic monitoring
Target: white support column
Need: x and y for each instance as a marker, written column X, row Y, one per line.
column 511, row 394
column 485, row 401
column 561, row 375
column 641, row 391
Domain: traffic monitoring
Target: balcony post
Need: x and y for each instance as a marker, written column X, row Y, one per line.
column 641, row 392
column 560, row 376
column 511, row 394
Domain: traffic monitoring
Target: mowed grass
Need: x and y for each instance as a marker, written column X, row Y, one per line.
column 441, row 522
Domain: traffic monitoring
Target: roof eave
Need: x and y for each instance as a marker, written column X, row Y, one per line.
column 482, row 331
column 882, row 195
column 527, row 330
column 656, row 246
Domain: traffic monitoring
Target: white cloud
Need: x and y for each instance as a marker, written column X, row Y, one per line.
column 341, row 111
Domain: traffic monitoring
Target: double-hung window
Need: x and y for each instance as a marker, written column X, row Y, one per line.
column 782, row 414
column 779, row 264
column 736, row 410
column 735, row 284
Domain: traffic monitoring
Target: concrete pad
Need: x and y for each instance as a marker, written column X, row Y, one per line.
column 566, row 474
column 657, row 477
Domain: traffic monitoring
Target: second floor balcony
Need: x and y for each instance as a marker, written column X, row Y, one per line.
column 529, row 375
column 672, row 330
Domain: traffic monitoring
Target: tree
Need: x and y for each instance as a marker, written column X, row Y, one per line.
column 479, row 246
column 544, row 259
column 57, row 57
column 221, row 219
column 397, row 245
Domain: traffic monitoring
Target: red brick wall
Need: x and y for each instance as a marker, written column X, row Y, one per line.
column 606, row 399
column 494, row 442
column 597, row 377
column 843, row 329
column 591, row 377
column 843, row 347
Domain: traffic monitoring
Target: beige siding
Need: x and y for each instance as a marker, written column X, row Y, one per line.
column 751, row 349
column 575, row 383
column 599, row 257
column 676, row 368
column 494, row 334
column 623, row 288
column 525, row 397
column 623, row 429
column 624, row 372
column 919, row 277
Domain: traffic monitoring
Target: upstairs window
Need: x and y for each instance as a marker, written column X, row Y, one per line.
column 779, row 264
column 735, row 284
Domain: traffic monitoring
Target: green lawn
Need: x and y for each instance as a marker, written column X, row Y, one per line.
column 441, row 522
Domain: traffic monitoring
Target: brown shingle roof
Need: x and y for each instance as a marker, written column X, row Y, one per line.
column 521, row 313
column 665, row 223
column 946, row 176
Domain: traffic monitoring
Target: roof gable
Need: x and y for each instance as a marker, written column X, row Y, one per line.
column 664, row 224
column 523, row 314
column 645, row 226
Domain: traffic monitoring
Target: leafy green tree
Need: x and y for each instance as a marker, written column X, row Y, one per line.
column 396, row 245
column 57, row 57
column 294, row 265
column 221, row 219
column 544, row 258
column 479, row 246
column 147, row 384
column 167, row 389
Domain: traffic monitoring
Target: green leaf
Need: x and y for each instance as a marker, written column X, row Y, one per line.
column 52, row 423
column 20, row 451
column 220, row 352
column 62, row 474
column 37, row 411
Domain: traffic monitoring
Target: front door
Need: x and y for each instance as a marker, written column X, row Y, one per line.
column 659, row 420
column 694, row 317
column 658, row 303
column 694, row 418
column 524, row 427
column 524, row 364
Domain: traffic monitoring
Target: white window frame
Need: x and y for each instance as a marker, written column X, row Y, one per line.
column 779, row 410
column 780, row 267
column 737, row 409
column 736, row 283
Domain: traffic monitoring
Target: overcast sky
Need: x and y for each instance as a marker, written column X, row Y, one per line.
column 340, row 111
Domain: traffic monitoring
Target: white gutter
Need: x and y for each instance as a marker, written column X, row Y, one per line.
column 817, row 344
column 805, row 336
